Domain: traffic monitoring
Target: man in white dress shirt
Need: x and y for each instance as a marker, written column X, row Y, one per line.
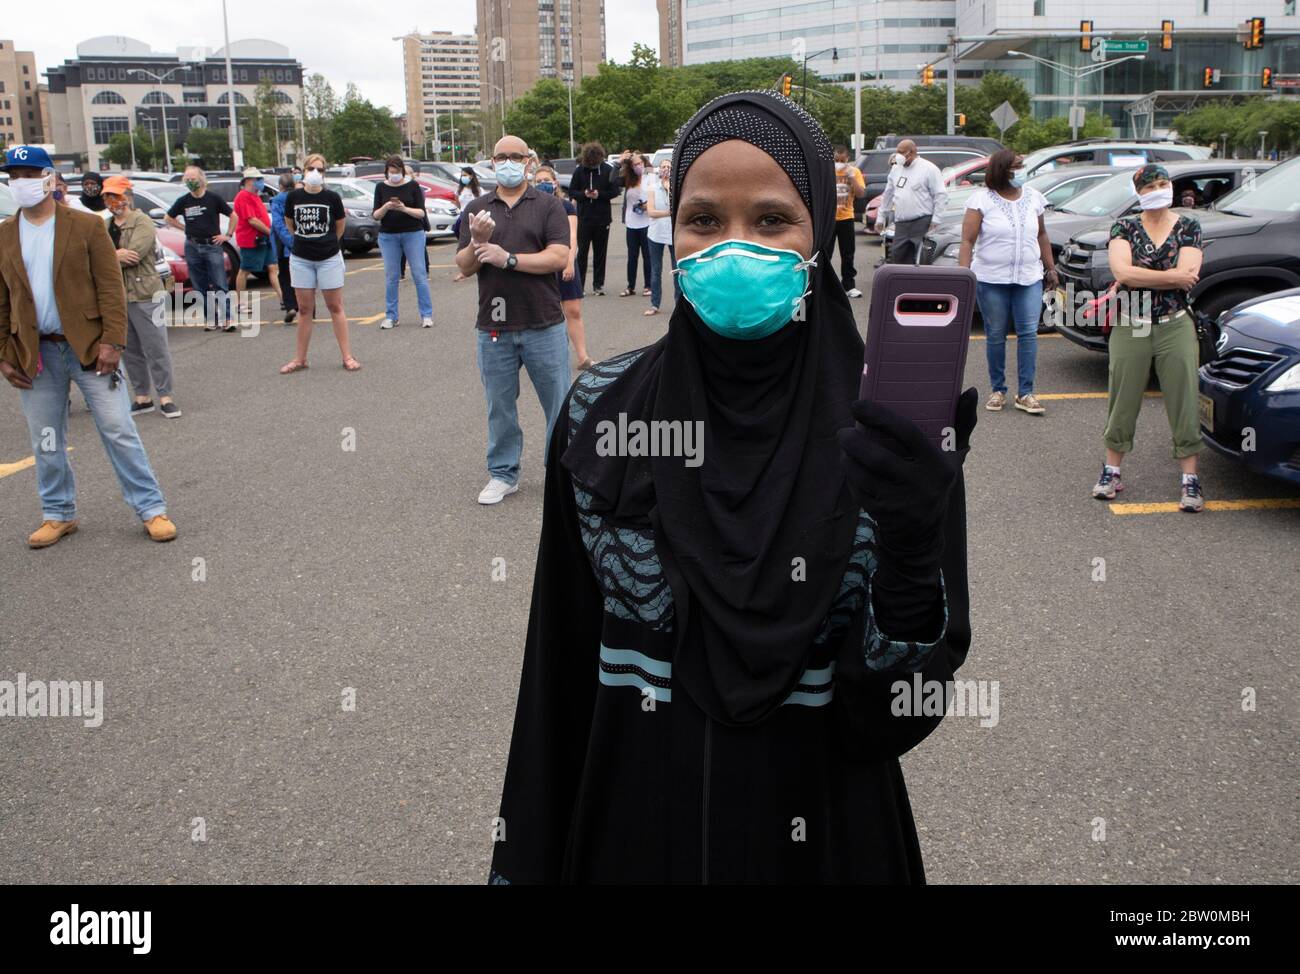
column 915, row 195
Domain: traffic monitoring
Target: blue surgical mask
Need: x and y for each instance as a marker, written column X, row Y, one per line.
column 259, row 184
column 546, row 188
column 772, row 283
column 510, row 174
column 464, row 180
column 1018, row 180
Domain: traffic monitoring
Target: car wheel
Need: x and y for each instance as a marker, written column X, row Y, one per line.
column 361, row 250
column 233, row 254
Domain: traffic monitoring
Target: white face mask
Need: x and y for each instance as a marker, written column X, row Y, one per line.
column 1157, row 199
column 31, row 192
column 396, row 177
column 900, row 160
column 313, row 178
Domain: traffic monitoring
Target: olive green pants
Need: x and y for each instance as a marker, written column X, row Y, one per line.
column 1172, row 346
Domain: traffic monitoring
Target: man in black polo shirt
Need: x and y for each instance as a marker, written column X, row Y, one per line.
column 516, row 240
column 204, row 256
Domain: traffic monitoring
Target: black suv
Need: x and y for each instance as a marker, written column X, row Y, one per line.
column 1251, row 239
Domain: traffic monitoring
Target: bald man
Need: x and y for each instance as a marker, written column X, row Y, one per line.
column 516, row 240
column 914, row 195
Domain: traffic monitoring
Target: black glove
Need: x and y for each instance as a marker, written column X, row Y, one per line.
column 903, row 481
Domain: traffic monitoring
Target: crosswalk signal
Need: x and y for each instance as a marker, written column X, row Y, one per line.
column 786, row 82
column 961, row 120
column 927, row 75
column 1266, row 78
column 1166, row 35
column 1255, row 34
column 1085, row 42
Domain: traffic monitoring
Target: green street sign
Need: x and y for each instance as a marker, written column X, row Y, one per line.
column 1127, row 47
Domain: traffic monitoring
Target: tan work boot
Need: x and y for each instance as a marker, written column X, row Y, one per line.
column 50, row 532
column 160, row 528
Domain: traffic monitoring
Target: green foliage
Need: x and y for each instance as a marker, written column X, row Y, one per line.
column 319, row 106
column 1279, row 117
column 211, row 147
column 148, row 152
column 1031, row 133
column 261, row 135
column 362, row 129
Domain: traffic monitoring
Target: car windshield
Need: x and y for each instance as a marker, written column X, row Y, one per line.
column 350, row 192
column 166, row 193
column 1104, row 199
column 1276, row 190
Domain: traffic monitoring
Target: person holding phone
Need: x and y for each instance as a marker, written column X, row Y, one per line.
column 1156, row 259
column 399, row 208
column 593, row 184
column 636, row 221
column 1004, row 241
column 717, row 623
column 316, row 218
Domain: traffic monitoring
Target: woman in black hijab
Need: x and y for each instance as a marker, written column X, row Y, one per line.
column 733, row 574
column 92, row 192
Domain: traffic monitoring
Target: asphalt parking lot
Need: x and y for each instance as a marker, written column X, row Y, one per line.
column 1148, row 722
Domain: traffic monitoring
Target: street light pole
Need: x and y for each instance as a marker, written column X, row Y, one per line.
column 236, row 151
column 835, row 56
column 1074, row 73
column 572, row 149
column 857, row 82
column 162, row 106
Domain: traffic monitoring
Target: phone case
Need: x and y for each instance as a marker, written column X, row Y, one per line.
column 915, row 355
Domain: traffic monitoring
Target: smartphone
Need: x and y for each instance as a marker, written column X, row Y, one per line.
column 918, row 330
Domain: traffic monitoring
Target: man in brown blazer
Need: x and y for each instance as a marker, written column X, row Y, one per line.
column 63, row 320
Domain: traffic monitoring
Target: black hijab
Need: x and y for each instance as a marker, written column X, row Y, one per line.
column 755, row 541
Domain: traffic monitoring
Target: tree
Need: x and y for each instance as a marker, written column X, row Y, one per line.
column 362, row 129
column 1031, row 133
column 148, row 152
column 319, row 107
column 260, row 122
column 1279, row 117
column 541, row 118
column 209, row 147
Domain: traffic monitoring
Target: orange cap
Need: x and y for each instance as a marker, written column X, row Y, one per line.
column 117, row 185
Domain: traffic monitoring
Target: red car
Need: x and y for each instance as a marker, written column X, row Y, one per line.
column 953, row 176
column 173, row 241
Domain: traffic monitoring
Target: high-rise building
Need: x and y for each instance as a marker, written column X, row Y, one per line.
column 670, row 31
column 521, row 41
column 110, row 87
column 442, row 77
column 20, row 106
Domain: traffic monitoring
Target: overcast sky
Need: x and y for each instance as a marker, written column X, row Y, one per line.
column 343, row 40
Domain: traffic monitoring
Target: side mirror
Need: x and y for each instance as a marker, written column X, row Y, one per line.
column 157, row 213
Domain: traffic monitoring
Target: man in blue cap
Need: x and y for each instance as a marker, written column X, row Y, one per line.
column 63, row 320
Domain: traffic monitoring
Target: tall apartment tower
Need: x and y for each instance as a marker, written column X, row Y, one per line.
column 442, row 77
column 521, row 41
column 670, row 32
column 21, row 119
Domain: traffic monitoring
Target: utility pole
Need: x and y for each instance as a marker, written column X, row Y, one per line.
column 952, row 84
column 860, row 143
column 236, row 151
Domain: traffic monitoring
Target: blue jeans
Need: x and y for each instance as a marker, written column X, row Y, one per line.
column 45, row 405
column 544, row 352
column 657, row 272
column 207, row 267
column 393, row 246
column 1000, row 305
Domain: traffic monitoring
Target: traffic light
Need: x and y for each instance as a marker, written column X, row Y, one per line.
column 1266, row 78
column 1254, row 33
column 786, row 82
column 927, row 75
column 961, row 120
column 1209, row 77
column 1085, row 42
column 1166, row 35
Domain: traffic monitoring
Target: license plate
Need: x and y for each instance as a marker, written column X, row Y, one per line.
column 1205, row 409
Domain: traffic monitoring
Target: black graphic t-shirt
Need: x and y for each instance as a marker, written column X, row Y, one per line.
column 1186, row 233
column 313, row 216
column 202, row 214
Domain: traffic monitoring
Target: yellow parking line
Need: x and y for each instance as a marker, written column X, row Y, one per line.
column 1256, row 504
column 1086, row 395
column 7, row 469
column 362, row 270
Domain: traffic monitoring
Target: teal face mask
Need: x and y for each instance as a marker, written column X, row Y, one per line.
column 744, row 290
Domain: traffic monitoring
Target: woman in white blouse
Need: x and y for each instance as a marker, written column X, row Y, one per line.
column 1004, row 242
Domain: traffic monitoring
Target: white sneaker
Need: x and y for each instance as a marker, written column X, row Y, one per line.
column 387, row 323
column 495, row 491
column 426, row 322
column 854, row 293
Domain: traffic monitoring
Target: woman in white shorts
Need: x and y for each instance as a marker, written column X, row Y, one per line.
column 315, row 217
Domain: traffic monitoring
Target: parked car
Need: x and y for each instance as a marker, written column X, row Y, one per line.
column 1106, row 201
column 982, row 145
column 161, row 259
column 7, row 205
column 1251, row 239
column 1250, row 392
column 1124, row 153
column 361, row 234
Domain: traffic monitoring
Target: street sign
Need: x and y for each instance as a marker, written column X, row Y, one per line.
column 859, row 141
column 1285, row 82
column 437, row 146
column 1127, row 47
column 1078, row 115
column 1004, row 116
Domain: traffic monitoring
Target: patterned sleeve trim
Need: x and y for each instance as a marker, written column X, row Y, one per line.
column 907, row 656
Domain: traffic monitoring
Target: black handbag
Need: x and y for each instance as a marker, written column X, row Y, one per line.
column 1207, row 332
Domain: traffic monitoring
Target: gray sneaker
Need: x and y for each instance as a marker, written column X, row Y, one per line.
column 1192, row 500
column 1108, row 486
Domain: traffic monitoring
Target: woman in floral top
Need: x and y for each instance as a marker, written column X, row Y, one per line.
column 1156, row 259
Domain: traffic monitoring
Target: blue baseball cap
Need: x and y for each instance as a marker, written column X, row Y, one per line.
column 32, row 156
